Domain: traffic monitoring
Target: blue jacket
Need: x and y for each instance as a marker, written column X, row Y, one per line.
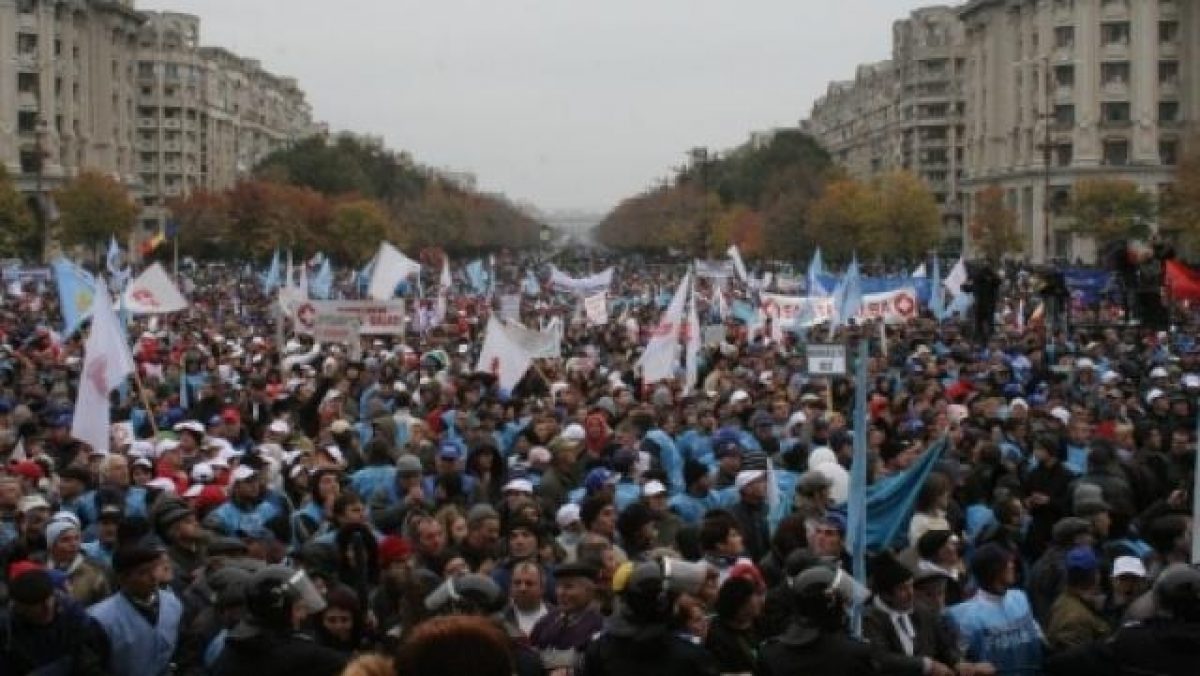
column 669, row 458
column 371, row 478
column 1001, row 631
column 691, row 509
column 135, row 505
column 135, row 646
column 229, row 518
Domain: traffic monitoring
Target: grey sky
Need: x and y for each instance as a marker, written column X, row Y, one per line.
column 562, row 103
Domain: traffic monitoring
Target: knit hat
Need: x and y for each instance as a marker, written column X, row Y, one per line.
column 480, row 513
column 56, row 528
column 392, row 549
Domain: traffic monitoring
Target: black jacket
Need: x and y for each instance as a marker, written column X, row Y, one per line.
column 1159, row 647
column 72, row 640
column 663, row 654
column 272, row 655
column 793, row 654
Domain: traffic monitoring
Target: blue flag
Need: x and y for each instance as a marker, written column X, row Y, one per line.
column 891, row 500
column 76, row 290
column 936, row 305
column 816, row 270
column 847, row 298
column 321, row 285
column 271, row 279
column 477, row 276
column 530, row 286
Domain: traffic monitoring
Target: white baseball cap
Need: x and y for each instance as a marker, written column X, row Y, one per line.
column 242, row 473
column 574, row 432
column 279, row 427
column 567, row 515
column 1128, row 565
column 163, row 484
column 748, row 476
column 653, row 488
column 1062, row 414
column 519, row 486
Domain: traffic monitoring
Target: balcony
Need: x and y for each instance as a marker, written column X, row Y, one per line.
column 146, row 146
column 27, row 61
column 1169, row 88
column 147, row 123
column 172, row 146
column 1115, row 10
column 1115, row 50
column 147, row 167
column 172, row 123
column 172, row 190
column 27, row 101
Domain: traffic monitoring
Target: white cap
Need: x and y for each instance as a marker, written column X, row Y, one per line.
column 335, row 454
column 279, row 427
column 203, row 473
column 190, row 426
column 797, row 418
column 748, row 476
column 567, row 515
column 1191, row 381
column 540, row 455
column 653, row 488
column 31, row 502
column 165, row 445
column 242, row 473
column 1062, row 414
column 1128, row 565
column 142, row 448
column 519, row 485
column 1158, row 372
column 739, row 395
column 1153, row 394
column 574, row 432
column 1110, row 377
column 1018, row 402
column 163, row 484
column 1085, row 363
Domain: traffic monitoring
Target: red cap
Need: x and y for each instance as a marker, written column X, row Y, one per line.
column 27, row 469
column 748, row 571
column 19, row 568
column 231, row 416
column 392, row 549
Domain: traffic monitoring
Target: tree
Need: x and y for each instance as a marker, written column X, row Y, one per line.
column 1181, row 204
column 92, row 208
column 1110, row 209
column 738, row 225
column 19, row 233
column 356, row 227
column 204, row 224
column 265, row 216
column 994, row 227
column 910, row 222
column 843, row 219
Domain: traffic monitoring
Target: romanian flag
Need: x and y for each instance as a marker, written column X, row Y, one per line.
column 1183, row 282
column 151, row 244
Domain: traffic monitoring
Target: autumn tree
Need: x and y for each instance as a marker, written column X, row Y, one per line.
column 356, row 227
column 841, row 220
column 92, row 208
column 265, row 216
column 994, row 226
column 1110, row 209
column 204, row 224
column 738, row 225
column 910, row 222
column 1181, row 204
column 19, row 234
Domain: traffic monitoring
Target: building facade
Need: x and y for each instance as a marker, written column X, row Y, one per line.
column 67, row 99
column 905, row 113
column 206, row 116
column 1065, row 90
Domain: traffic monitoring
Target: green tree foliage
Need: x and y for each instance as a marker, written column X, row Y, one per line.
column 1110, row 209
column 1181, row 205
column 994, row 227
column 92, row 208
column 911, row 222
column 19, row 233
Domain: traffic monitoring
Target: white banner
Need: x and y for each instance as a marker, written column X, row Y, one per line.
column 510, row 306
column 332, row 327
column 714, row 269
column 595, row 308
column 893, row 307
column 153, row 293
column 561, row 281
column 375, row 317
column 546, row 344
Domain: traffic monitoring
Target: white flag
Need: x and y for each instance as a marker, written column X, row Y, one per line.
column 595, row 308
column 919, row 272
column 502, row 357
column 447, row 281
column 738, row 265
column 153, row 293
column 391, row 268
column 106, row 364
column 662, row 352
column 691, row 347
column 956, row 279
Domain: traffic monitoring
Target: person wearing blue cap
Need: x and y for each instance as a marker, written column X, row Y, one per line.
column 727, row 449
column 449, row 472
column 1075, row 618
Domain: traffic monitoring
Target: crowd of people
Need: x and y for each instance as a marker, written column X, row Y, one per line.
column 271, row 505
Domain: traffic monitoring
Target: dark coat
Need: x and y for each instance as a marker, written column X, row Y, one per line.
column 1162, row 647
column 933, row 637
column 792, row 654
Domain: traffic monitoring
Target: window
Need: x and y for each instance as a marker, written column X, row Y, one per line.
column 145, row 69
column 1168, row 152
column 1064, row 5
column 1114, row 112
column 1064, row 37
column 1112, row 5
column 1064, row 115
column 1114, row 34
column 1064, row 153
column 25, row 6
column 1114, row 73
column 27, row 121
column 1116, row 152
column 27, row 83
column 1168, row 32
column 27, row 44
column 1168, row 73
column 1168, row 111
column 1064, row 76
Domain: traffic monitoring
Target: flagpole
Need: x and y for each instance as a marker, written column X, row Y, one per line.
column 137, row 379
column 857, row 505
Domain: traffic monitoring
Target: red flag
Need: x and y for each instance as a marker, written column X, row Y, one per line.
column 1183, row 281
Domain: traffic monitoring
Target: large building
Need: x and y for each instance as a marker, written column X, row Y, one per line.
column 904, row 113
column 98, row 85
column 1028, row 95
column 1064, row 90
column 205, row 116
column 67, row 98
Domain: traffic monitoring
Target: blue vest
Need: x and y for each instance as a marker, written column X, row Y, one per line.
column 136, row 647
column 371, row 478
column 229, row 518
column 135, row 505
column 1003, row 633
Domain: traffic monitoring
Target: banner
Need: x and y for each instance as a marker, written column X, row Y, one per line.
column 153, row 293
column 595, row 308
column 714, row 269
column 510, row 307
column 336, row 328
column 376, row 318
column 76, row 289
column 585, row 286
column 390, row 268
column 1088, row 286
column 106, row 364
column 545, row 344
column 893, row 307
column 509, row 350
column 1182, row 282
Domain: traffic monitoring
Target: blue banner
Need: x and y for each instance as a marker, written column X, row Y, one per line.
column 1087, row 285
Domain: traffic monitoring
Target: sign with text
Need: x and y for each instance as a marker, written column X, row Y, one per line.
column 336, row 328
column 376, row 317
column 826, row 360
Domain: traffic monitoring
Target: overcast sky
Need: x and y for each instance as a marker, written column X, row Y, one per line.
column 562, row 103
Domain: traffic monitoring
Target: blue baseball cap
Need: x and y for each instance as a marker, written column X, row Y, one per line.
column 726, row 441
column 835, row 520
column 1082, row 558
column 450, row 451
column 598, row 478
